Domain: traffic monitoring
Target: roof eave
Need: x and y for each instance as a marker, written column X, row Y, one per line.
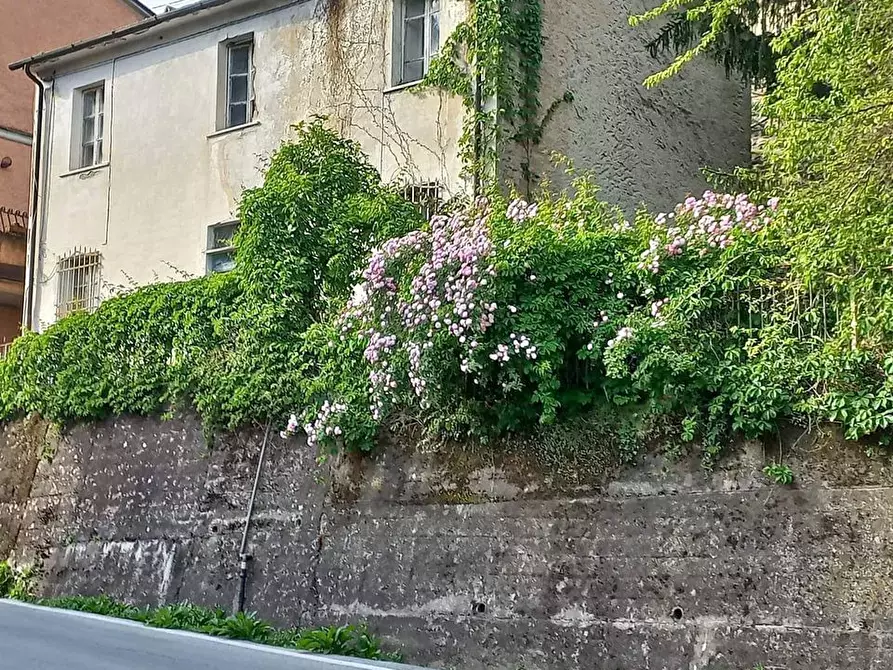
column 100, row 40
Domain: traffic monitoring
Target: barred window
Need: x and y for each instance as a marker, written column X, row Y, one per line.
column 80, row 274
column 428, row 198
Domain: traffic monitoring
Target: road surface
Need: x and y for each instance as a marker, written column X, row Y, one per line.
column 40, row 638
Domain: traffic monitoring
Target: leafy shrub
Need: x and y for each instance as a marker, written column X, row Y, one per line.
column 349, row 640
column 779, row 473
column 185, row 616
column 241, row 626
column 17, row 582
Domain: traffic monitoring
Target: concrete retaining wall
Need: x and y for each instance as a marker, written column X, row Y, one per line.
column 475, row 560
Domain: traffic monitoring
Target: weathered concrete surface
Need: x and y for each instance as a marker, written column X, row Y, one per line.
column 642, row 145
column 21, row 447
column 478, row 560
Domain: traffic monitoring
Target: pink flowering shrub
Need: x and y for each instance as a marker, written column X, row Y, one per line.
column 484, row 320
column 505, row 314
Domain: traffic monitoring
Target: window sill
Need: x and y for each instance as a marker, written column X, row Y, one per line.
column 402, row 87
column 84, row 170
column 234, row 129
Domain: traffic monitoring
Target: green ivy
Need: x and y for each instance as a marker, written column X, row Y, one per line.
column 500, row 48
column 237, row 347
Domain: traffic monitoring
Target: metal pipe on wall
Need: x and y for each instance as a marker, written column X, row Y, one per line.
column 33, row 238
column 244, row 557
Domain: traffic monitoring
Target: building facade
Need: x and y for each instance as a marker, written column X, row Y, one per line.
column 152, row 134
column 26, row 28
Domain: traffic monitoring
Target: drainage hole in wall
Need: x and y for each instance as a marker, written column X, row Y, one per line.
column 676, row 613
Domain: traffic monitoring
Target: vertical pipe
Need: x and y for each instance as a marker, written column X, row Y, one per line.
column 33, row 239
column 244, row 557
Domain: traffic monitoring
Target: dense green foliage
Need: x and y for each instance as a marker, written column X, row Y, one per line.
column 347, row 640
column 235, row 346
column 738, row 34
column 730, row 313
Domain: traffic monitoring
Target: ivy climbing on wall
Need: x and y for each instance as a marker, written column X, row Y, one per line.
column 493, row 61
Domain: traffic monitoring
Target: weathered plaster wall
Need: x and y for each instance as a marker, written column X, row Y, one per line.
column 168, row 175
column 642, row 145
column 477, row 561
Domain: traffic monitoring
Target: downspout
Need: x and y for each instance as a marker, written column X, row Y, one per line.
column 478, row 108
column 244, row 557
column 33, row 239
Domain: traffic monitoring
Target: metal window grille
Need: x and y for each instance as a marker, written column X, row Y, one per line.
column 80, row 274
column 239, row 83
column 4, row 349
column 91, row 134
column 428, row 198
column 13, row 222
column 420, row 37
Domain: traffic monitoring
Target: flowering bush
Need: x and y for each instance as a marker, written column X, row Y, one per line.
column 348, row 310
column 502, row 315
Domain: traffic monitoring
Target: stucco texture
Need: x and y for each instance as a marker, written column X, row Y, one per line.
column 480, row 559
column 642, row 145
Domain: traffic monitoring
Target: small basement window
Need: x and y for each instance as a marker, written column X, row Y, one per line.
column 416, row 38
column 428, row 198
column 236, row 85
column 80, row 275
column 220, row 255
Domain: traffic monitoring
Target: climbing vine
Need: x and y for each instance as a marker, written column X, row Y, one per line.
column 493, row 61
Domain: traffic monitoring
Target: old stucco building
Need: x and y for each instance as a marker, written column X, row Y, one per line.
column 152, row 133
column 25, row 28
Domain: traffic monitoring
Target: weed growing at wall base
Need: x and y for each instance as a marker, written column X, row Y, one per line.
column 349, row 640
column 17, row 581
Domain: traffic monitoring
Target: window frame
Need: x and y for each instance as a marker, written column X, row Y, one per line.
column 429, row 49
column 225, row 78
column 426, row 196
column 79, row 140
column 79, row 272
column 212, row 251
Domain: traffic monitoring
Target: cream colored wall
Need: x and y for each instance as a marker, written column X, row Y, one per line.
column 166, row 180
column 643, row 145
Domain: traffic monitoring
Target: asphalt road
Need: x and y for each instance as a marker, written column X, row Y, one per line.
column 40, row 638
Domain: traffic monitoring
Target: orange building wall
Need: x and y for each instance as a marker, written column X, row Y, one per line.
column 28, row 27
column 15, row 180
column 9, row 322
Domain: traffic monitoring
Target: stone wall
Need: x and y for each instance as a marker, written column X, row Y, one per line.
column 476, row 560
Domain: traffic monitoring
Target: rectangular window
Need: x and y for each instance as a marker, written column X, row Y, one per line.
column 239, row 82
column 92, row 118
column 416, row 38
column 220, row 255
column 80, row 274
column 426, row 197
